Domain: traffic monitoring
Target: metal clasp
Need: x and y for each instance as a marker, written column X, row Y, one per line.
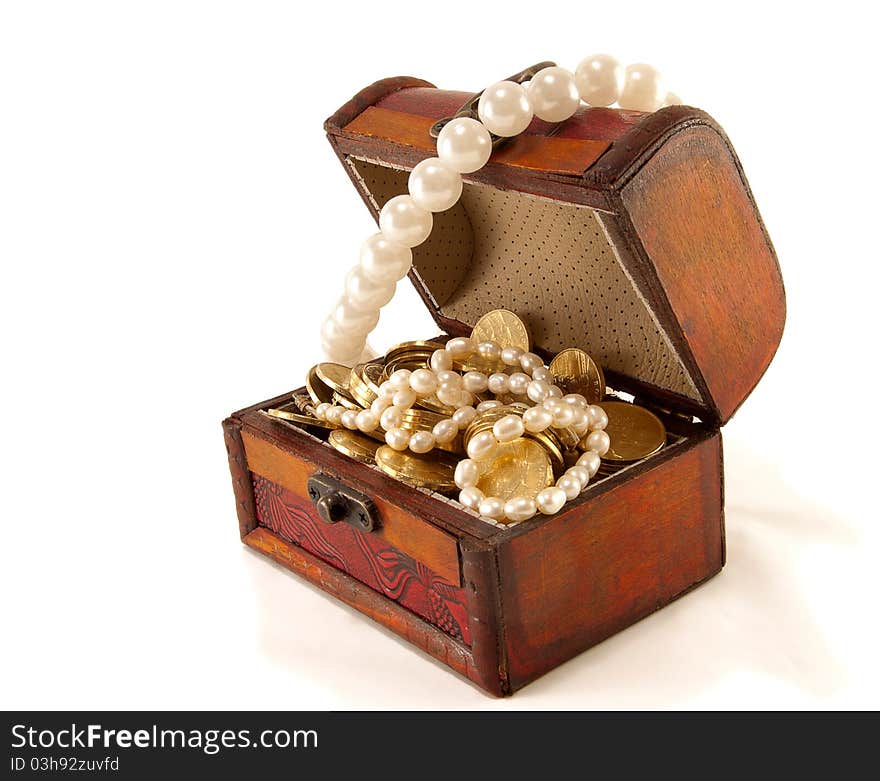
column 336, row 502
column 469, row 109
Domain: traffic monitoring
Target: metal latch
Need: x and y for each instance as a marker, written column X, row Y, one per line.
column 469, row 109
column 337, row 502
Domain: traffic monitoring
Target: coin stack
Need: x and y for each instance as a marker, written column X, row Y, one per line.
column 521, row 467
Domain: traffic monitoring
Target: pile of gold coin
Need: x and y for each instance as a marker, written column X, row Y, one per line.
column 523, row 466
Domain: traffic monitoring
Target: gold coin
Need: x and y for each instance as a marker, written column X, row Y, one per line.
column 433, row 470
column 413, row 348
column 295, row 417
column 318, row 390
column 503, row 327
column 635, row 432
column 354, row 445
column 520, row 468
column 576, row 372
column 364, row 382
column 335, row 376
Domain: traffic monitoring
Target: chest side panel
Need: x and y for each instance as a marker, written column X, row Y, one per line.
column 572, row 582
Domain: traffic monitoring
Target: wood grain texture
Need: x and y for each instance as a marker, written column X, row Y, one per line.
column 606, row 563
column 695, row 219
column 553, row 154
column 242, row 486
column 382, row 610
column 435, row 548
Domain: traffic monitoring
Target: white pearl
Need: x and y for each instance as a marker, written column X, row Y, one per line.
column 460, row 347
column 349, row 419
column 448, row 394
column 553, row 405
column 449, row 377
column 537, row 419
column 397, row 438
column 518, row 382
column 581, row 423
column 350, row 318
column 467, row 472
column 388, row 389
column 642, row 89
column 471, row 497
column 464, row 145
column 321, row 410
column 599, row 441
column 487, row 405
column 598, row 417
column 538, row 390
column 564, row 416
column 463, row 416
column 507, row 429
column 530, row 362
column 491, row 507
column 672, row 99
column 402, row 221
column 504, row 109
column 334, row 333
column 399, row 379
column 380, row 404
column 555, row 392
column 404, row 398
column 391, row 418
column 482, row 445
column 520, row 508
column 441, row 360
column 434, row 185
column 553, row 94
column 491, row 351
column 591, row 461
column 599, row 79
column 383, row 260
column 499, row 383
column 570, row 485
column 334, row 414
column 365, row 294
column 423, row 381
column 575, row 399
column 422, row 442
column 346, row 353
column 475, row 382
column 550, row 500
column 511, row 355
column 445, row 431
column 580, row 473
column 465, row 399
column 367, row 421
column 542, row 373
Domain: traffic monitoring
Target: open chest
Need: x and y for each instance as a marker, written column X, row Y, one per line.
column 632, row 236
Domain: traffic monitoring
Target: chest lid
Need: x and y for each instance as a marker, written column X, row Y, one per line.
column 633, row 236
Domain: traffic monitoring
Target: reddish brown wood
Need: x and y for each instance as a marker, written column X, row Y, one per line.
column 609, row 561
column 553, row 154
column 691, row 211
column 241, row 477
column 384, row 611
column 436, row 549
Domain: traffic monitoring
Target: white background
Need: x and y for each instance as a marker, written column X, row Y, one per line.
column 173, row 226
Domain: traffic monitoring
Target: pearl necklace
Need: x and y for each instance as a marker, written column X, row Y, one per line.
column 552, row 410
column 464, row 145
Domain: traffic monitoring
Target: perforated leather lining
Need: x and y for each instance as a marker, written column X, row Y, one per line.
column 552, row 263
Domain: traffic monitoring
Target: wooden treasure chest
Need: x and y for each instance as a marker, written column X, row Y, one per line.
column 632, row 236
